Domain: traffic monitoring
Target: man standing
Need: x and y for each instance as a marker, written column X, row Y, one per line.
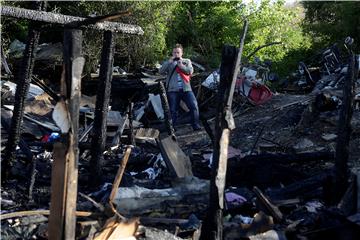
column 178, row 86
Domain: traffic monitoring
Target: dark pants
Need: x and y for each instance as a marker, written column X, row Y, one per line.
column 190, row 100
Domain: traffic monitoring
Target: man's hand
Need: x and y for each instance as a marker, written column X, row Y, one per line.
column 180, row 64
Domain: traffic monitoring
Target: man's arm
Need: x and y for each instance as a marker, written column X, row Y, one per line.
column 165, row 67
column 186, row 66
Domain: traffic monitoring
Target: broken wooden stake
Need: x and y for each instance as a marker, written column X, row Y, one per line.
column 230, row 66
column 101, row 109
column 117, row 181
column 64, row 179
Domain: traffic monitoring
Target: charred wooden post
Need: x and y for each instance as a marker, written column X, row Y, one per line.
column 22, row 88
column 102, row 106
column 344, row 132
column 167, row 115
column 230, row 66
column 64, row 177
column 131, row 126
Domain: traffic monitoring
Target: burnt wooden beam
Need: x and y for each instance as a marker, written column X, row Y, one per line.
column 230, row 66
column 344, row 132
column 270, row 207
column 56, row 18
column 165, row 104
column 22, row 88
column 102, row 106
column 46, row 89
column 64, row 176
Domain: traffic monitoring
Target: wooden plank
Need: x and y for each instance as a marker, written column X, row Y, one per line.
column 41, row 212
column 74, row 54
column 114, row 229
column 147, row 135
column 57, row 18
column 117, row 180
column 176, row 160
column 58, row 186
column 272, row 209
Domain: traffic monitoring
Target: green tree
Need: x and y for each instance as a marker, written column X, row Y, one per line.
column 274, row 22
column 330, row 22
column 131, row 51
column 203, row 28
column 206, row 26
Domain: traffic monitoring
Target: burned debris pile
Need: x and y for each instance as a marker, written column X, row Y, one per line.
column 101, row 159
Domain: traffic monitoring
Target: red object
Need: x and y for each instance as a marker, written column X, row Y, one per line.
column 183, row 75
column 259, row 94
column 45, row 138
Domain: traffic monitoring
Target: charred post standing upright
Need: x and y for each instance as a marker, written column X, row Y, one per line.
column 64, row 176
column 23, row 84
column 230, row 66
column 102, row 106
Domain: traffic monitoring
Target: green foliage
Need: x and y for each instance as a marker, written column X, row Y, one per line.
column 153, row 18
column 330, row 22
column 12, row 29
column 207, row 26
column 131, row 51
column 202, row 27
